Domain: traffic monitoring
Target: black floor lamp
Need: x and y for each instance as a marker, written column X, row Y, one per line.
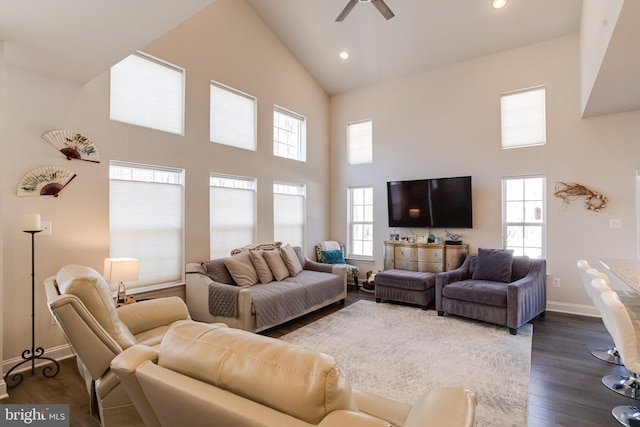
column 32, row 226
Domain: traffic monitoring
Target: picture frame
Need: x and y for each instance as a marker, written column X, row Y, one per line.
column 421, row 237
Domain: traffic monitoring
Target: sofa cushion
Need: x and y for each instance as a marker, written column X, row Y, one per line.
column 94, row 292
column 477, row 291
column 291, row 260
column 303, row 383
column 276, row 264
column 261, row 266
column 241, row 269
column 520, row 267
column 494, row 265
column 217, row 271
column 333, row 257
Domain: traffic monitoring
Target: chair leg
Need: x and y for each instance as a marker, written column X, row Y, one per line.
column 626, row 385
column 513, row 331
column 627, row 415
column 609, row 355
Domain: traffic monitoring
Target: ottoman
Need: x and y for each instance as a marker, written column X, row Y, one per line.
column 406, row 286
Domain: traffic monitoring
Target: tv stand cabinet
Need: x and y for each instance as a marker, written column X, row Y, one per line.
column 423, row 257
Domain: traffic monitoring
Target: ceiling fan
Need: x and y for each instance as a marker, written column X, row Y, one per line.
column 379, row 4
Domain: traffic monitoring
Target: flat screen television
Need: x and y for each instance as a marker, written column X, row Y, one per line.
column 434, row 203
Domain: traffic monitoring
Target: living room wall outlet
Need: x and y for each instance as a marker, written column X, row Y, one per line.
column 556, row 282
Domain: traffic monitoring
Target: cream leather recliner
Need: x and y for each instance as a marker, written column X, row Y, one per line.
column 210, row 374
column 82, row 304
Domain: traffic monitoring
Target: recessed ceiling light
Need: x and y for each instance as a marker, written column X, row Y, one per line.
column 499, row 3
column 344, row 54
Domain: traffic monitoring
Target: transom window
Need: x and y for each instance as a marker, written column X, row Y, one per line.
column 360, row 142
column 523, row 118
column 361, row 222
column 149, row 92
column 289, row 134
column 523, row 215
column 232, row 117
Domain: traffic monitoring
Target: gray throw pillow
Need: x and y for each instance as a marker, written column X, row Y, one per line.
column 494, row 265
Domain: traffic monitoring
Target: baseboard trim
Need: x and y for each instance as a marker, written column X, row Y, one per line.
column 568, row 308
column 56, row 353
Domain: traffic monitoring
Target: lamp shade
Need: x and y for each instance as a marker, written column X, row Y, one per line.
column 121, row 269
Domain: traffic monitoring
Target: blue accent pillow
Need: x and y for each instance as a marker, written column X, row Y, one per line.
column 333, row 257
column 494, row 265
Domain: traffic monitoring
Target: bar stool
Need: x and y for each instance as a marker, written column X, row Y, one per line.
column 626, row 336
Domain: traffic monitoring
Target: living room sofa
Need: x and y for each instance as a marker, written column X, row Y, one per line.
column 261, row 287
column 494, row 286
column 210, row 374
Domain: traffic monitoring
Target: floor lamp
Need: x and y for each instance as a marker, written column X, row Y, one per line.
column 32, row 226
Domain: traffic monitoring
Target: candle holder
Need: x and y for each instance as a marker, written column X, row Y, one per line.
column 32, row 354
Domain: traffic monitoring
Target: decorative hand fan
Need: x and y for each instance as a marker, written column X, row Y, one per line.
column 45, row 181
column 72, row 144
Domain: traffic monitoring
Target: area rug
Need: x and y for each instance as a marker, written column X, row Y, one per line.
column 399, row 352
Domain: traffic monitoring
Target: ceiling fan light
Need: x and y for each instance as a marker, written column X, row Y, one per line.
column 499, row 3
column 364, row 1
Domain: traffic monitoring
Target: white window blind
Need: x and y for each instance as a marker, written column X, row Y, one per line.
column 146, row 220
column 360, row 142
column 232, row 117
column 523, row 215
column 523, row 118
column 232, row 214
column 148, row 92
column 288, row 213
column 289, row 134
column 361, row 221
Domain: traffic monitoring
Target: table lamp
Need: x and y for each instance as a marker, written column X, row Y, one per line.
column 120, row 270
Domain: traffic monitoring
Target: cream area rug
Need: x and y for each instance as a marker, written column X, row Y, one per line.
column 399, row 352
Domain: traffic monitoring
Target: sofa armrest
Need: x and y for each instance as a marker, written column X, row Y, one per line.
column 343, row 418
column 445, row 406
column 146, row 315
column 389, row 410
column 527, row 297
column 451, row 276
column 317, row 266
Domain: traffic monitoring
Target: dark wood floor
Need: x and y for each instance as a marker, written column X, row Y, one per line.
column 565, row 387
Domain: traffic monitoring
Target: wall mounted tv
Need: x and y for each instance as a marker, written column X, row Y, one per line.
column 435, row 203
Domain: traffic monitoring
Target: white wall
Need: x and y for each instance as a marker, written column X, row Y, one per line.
column 447, row 123
column 3, row 385
column 225, row 42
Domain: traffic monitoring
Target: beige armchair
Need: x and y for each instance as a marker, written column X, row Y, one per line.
column 81, row 302
column 210, row 374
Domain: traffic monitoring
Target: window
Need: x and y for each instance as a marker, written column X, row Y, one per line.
column 232, row 117
column 360, row 142
column 232, row 213
column 149, row 92
column 523, row 212
column 361, row 222
column 289, row 135
column 146, row 220
column 523, row 118
column 288, row 213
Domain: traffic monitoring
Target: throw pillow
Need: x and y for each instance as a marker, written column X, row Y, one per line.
column 241, row 269
column 494, row 265
column 333, row 257
column 291, row 260
column 276, row 264
column 261, row 266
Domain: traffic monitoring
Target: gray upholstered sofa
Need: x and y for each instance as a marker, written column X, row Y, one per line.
column 494, row 286
column 256, row 295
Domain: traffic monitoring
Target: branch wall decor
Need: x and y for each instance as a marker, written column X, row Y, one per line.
column 568, row 192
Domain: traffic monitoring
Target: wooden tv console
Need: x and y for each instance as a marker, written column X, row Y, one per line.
column 426, row 257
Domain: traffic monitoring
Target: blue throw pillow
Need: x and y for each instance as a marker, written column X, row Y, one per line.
column 333, row 257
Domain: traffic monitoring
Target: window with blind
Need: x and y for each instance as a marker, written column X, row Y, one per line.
column 288, row 213
column 146, row 220
column 523, row 118
column 232, row 118
column 149, row 92
column 523, row 215
column 232, row 213
column 289, row 135
column 360, row 142
column 360, row 222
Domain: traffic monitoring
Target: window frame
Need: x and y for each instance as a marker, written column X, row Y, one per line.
column 301, row 192
column 510, row 119
column 542, row 224
column 301, row 132
column 213, row 85
column 369, row 144
column 352, row 224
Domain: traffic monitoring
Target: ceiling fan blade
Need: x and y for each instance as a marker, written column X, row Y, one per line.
column 383, row 9
column 346, row 10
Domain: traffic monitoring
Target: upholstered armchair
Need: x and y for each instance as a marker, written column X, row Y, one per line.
column 82, row 304
column 332, row 252
column 494, row 286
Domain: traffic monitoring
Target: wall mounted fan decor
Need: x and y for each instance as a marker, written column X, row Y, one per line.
column 72, row 144
column 45, row 181
column 379, row 4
